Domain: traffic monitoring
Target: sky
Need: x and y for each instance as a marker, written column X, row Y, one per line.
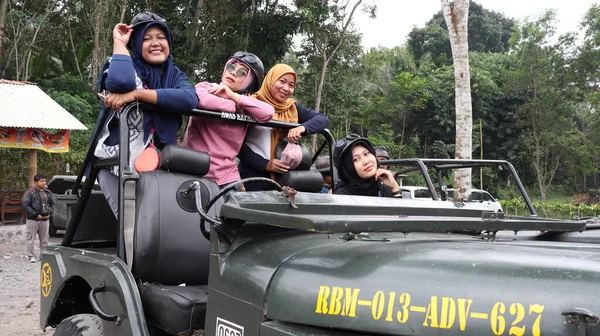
column 396, row 18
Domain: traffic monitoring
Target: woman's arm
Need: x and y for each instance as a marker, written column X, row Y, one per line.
column 221, row 97
column 313, row 121
column 209, row 101
column 261, row 111
column 121, row 73
column 180, row 99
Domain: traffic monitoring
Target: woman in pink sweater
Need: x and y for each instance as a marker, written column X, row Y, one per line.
column 220, row 138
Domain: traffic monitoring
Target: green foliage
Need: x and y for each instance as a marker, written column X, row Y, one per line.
column 535, row 94
column 489, row 32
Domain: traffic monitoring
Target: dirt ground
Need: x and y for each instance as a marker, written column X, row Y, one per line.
column 19, row 284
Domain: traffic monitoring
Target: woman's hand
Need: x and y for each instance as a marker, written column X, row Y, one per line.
column 387, row 178
column 117, row 100
column 296, row 133
column 122, row 33
column 277, row 166
column 223, row 91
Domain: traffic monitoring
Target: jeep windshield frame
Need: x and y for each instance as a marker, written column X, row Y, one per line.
column 440, row 165
column 92, row 165
column 354, row 214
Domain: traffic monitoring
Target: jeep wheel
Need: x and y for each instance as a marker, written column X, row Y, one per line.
column 80, row 325
column 52, row 229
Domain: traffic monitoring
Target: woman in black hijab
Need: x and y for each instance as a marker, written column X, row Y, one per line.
column 359, row 172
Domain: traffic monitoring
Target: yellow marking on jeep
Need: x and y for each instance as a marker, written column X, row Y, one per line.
column 46, row 279
column 511, row 318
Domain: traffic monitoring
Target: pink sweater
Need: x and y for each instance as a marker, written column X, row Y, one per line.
column 221, row 138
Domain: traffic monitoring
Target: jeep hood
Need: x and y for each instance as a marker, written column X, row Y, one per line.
column 452, row 285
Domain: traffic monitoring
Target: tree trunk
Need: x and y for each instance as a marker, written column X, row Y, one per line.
column 248, row 26
column 3, row 10
column 74, row 51
column 326, row 60
column 456, row 18
column 95, row 64
column 123, row 10
column 195, row 23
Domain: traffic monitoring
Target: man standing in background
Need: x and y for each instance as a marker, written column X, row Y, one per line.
column 382, row 154
column 38, row 203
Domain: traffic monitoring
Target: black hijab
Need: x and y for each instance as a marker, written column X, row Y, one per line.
column 351, row 182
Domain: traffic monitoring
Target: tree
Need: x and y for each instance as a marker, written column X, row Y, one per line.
column 547, row 116
column 3, row 10
column 456, row 17
column 326, row 27
column 489, row 32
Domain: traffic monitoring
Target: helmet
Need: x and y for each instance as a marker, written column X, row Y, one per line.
column 345, row 144
column 381, row 152
column 142, row 19
column 255, row 65
column 145, row 17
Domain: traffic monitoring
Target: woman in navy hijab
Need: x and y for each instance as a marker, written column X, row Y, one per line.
column 140, row 69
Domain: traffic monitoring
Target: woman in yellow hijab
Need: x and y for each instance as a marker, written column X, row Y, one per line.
column 257, row 156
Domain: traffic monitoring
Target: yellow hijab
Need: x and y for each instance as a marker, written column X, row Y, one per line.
column 285, row 111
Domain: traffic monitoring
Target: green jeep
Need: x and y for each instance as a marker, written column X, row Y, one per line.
column 186, row 258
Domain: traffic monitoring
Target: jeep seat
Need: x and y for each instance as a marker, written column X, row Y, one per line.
column 303, row 180
column 171, row 255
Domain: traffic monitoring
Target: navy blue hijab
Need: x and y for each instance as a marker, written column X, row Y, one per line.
column 161, row 76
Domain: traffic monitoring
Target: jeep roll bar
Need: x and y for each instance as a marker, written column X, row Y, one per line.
column 92, row 165
column 439, row 165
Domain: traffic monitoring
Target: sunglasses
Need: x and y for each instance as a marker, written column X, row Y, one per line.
column 239, row 72
column 147, row 17
column 244, row 55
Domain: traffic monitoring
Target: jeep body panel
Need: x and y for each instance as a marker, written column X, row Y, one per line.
column 60, row 265
column 420, row 284
column 432, row 284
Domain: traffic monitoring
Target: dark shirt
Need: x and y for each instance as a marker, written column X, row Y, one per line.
column 36, row 202
column 384, row 191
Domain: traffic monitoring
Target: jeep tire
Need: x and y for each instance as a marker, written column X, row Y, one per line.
column 80, row 325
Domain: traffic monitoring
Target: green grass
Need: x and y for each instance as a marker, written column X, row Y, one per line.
column 556, row 194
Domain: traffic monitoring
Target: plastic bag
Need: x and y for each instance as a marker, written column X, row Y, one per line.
column 292, row 155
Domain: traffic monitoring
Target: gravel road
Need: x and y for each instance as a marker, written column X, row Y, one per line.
column 19, row 284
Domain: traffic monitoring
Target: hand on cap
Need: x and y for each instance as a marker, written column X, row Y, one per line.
column 122, row 33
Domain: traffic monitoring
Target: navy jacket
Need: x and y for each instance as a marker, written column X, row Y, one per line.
column 121, row 78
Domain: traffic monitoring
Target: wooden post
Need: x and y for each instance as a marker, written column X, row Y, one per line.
column 33, row 156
